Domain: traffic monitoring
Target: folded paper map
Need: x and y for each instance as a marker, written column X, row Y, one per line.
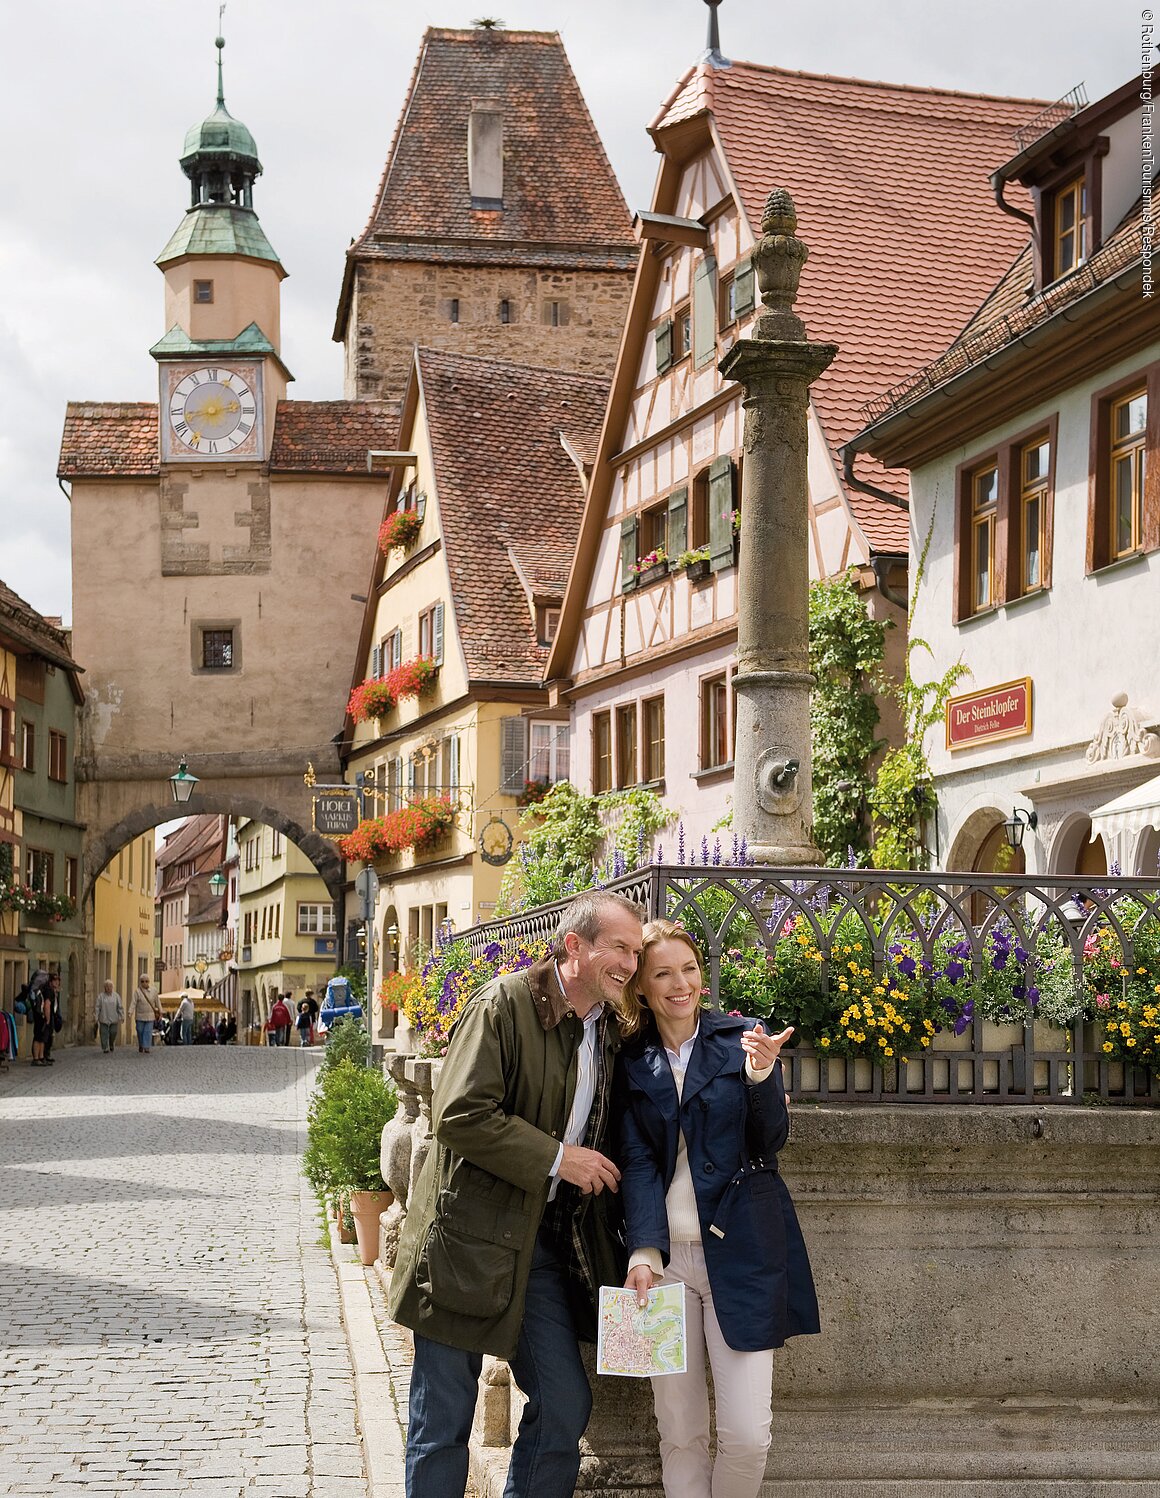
column 636, row 1342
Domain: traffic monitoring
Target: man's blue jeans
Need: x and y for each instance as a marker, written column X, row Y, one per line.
column 187, row 1032
column 445, row 1383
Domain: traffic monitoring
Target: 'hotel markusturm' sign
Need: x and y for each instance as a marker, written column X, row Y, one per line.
column 1002, row 712
column 335, row 813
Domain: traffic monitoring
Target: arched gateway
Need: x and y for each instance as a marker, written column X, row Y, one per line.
column 217, row 539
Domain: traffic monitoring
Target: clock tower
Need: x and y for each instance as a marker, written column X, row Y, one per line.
column 220, row 371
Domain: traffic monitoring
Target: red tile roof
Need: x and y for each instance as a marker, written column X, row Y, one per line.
column 21, row 626
column 559, row 188
column 106, row 440
column 504, row 480
column 893, row 197
column 331, row 436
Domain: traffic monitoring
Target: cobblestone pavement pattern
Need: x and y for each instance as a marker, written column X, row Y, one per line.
column 168, row 1312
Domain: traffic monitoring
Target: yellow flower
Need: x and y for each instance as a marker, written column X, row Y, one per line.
column 888, row 1051
column 860, row 1037
column 1130, row 1040
column 851, row 1036
column 1141, row 969
column 825, row 1040
column 858, row 948
column 924, row 1039
column 882, row 1040
column 906, row 1028
column 1108, row 1045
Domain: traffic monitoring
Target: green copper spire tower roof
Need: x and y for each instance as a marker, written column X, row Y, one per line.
column 221, row 161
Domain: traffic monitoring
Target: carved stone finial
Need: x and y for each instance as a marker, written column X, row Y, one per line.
column 778, row 257
column 1124, row 731
column 779, row 216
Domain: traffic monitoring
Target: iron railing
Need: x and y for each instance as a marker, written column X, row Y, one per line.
column 909, row 922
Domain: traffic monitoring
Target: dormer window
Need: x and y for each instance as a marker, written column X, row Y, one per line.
column 1069, row 225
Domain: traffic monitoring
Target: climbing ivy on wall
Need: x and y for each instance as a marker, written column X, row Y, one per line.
column 846, row 652
column 903, row 797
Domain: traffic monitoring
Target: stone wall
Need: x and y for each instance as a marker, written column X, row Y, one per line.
column 986, row 1282
column 396, row 305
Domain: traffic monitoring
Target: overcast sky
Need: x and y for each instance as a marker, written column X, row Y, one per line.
column 96, row 100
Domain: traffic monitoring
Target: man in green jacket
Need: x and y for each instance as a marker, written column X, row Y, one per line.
column 508, row 1234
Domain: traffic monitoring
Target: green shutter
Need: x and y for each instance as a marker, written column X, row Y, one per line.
column 744, row 290
column 678, row 527
column 664, row 336
column 705, row 312
column 513, row 755
column 627, row 554
column 721, row 514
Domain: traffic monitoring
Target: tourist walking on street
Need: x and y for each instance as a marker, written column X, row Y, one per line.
column 278, row 1027
column 184, row 1020
column 488, row 1258
column 110, row 1013
column 55, row 1020
column 705, row 1207
column 304, row 1024
column 145, row 1012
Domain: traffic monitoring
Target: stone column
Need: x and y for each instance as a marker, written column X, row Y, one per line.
column 772, row 782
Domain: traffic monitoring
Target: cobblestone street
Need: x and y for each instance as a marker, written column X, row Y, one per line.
column 168, row 1311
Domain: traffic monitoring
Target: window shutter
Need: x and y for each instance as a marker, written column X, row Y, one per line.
column 513, row 755
column 744, row 288
column 562, row 749
column 411, row 777
column 678, row 527
column 453, row 762
column 437, row 635
column 664, row 337
column 721, row 514
column 705, row 312
column 376, row 661
column 627, row 554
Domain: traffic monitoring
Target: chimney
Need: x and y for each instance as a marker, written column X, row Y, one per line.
column 485, row 154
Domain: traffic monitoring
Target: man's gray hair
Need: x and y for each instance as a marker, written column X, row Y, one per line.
column 587, row 913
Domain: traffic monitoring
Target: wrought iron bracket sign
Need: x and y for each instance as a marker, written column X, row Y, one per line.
column 335, row 812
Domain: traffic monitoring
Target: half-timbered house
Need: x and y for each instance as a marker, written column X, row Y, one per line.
column 889, row 184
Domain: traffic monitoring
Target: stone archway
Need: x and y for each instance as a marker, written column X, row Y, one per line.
column 103, row 842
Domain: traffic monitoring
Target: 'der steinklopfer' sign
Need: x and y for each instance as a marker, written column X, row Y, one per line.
column 1002, row 712
column 335, row 812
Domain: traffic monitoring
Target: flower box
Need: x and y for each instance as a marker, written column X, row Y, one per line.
column 414, row 678
column 698, row 571
column 418, row 826
column 652, row 574
column 372, row 698
column 400, row 530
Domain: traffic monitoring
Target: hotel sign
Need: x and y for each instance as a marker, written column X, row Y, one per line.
column 336, row 812
column 1002, row 712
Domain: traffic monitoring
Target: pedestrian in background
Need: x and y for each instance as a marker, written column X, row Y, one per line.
column 55, row 1020
column 184, row 1020
column 312, row 1003
column 39, row 1005
column 146, row 1012
column 304, row 1024
column 279, row 1023
column 110, row 1013
column 701, row 1114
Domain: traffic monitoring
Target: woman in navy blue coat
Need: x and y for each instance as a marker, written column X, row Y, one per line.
column 702, row 1115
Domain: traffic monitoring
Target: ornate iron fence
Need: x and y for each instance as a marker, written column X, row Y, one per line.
column 912, row 987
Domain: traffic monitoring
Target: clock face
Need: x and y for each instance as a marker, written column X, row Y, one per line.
column 212, row 411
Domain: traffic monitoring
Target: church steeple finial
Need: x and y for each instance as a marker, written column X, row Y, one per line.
column 712, row 53
column 220, row 157
column 219, row 43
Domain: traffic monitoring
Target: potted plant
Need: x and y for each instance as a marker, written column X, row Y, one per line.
column 411, row 678
column 345, row 1131
column 695, row 563
column 418, row 825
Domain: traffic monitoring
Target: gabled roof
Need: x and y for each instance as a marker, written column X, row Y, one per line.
column 196, row 836
column 893, row 196
column 504, row 480
column 561, row 201
column 891, row 186
column 509, row 496
column 108, row 440
column 30, row 633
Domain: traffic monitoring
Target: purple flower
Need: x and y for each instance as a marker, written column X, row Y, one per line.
column 1021, row 953
column 680, row 842
column 1033, row 996
column 492, row 951
column 953, row 971
column 906, row 967
column 705, row 851
column 1018, row 991
column 896, row 949
column 717, row 853
column 660, row 855
column 999, row 961
column 744, row 858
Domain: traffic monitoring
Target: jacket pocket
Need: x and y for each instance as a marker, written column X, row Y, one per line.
column 468, row 1264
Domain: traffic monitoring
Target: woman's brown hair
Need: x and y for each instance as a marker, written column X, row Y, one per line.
column 633, row 1009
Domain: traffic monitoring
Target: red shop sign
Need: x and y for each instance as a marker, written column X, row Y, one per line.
column 1002, row 712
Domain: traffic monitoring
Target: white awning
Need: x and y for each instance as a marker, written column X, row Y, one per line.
column 1131, row 812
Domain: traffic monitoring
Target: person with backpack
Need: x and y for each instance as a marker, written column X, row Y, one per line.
column 39, row 1003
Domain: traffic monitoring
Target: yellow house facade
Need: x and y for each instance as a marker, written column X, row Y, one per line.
column 123, row 913
column 13, row 963
column 474, row 590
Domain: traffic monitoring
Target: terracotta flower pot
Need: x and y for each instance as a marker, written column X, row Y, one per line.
column 367, row 1207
